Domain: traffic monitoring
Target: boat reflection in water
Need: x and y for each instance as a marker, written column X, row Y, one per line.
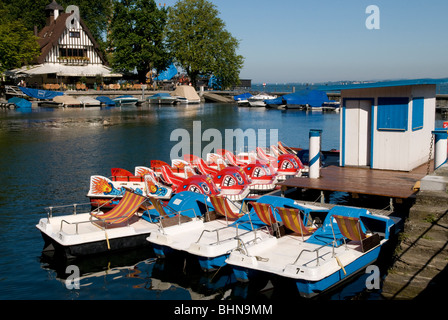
column 146, row 277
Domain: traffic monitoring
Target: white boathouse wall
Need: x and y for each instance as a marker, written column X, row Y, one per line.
column 365, row 143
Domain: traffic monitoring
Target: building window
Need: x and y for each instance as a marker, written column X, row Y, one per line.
column 72, row 52
column 75, row 34
column 418, row 111
column 392, row 114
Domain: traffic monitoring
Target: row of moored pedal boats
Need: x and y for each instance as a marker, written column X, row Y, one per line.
column 315, row 247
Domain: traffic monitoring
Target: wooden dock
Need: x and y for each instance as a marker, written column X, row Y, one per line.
column 366, row 181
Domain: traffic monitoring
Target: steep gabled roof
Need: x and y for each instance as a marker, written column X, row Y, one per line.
column 50, row 35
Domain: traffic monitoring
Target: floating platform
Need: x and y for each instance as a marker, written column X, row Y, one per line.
column 386, row 183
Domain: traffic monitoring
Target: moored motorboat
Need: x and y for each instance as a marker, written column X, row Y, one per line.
column 242, row 99
column 162, row 98
column 348, row 241
column 89, row 101
column 125, row 100
column 259, row 100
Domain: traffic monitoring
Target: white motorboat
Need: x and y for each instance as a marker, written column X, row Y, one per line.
column 162, row 98
column 87, row 101
column 125, row 100
column 259, row 100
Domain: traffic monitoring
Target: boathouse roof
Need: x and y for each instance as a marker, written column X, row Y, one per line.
column 383, row 84
column 49, row 36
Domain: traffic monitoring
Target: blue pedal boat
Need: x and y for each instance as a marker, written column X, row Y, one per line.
column 349, row 240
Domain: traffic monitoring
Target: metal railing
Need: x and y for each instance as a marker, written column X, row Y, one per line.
column 174, row 214
column 50, row 211
column 218, row 241
column 332, row 242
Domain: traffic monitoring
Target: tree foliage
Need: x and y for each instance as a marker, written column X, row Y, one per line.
column 136, row 33
column 198, row 41
column 18, row 46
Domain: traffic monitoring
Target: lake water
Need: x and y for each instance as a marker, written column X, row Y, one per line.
column 47, row 157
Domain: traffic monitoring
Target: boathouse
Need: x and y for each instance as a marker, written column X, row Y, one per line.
column 69, row 52
column 387, row 125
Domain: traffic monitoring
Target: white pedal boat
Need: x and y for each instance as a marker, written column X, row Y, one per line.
column 322, row 260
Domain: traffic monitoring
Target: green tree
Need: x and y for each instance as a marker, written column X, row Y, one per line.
column 198, row 41
column 136, row 37
column 18, row 46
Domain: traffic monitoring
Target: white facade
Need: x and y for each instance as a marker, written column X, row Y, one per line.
column 378, row 134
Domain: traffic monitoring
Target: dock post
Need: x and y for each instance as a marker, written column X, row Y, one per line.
column 440, row 151
column 314, row 154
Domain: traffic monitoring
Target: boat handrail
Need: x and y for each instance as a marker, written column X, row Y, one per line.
column 241, row 243
column 74, row 205
column 174, row 213
column 226, row 227
column 72, row 223
column 332, row 242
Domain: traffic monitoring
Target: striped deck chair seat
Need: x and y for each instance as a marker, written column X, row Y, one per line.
column 224, row 208
column 122, row 212
column 351, row 229
column 292, row 220
column 264, row 212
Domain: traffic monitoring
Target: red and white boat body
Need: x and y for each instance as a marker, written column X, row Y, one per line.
column 285, row 165
column 106, row 192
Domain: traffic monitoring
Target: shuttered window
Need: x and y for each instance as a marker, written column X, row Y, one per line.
column 393, row 114
column 418, row 112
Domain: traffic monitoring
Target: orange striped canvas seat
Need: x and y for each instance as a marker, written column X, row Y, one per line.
column 222, row 207
column 350, row 227
column 293, row 221
column 264, row 212
column 123, row 211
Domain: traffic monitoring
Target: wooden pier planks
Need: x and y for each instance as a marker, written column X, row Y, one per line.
column 393, row 184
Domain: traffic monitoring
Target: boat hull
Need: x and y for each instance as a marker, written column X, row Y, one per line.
column 93, row 248
column 75, row 235
column 209, row 264
column 309, row 289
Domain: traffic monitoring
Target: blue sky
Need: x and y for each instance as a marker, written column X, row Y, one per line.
column 327, row 40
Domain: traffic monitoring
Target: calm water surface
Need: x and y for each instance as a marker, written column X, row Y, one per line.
column 47, row 158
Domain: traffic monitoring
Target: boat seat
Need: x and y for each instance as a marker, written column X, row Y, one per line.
column 292, row 220
column 121, row 213
column 351, row 229
column 265, row 213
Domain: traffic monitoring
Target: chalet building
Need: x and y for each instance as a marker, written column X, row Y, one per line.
column 69, row 53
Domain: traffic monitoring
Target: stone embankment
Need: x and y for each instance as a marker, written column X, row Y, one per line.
column 420, row 268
